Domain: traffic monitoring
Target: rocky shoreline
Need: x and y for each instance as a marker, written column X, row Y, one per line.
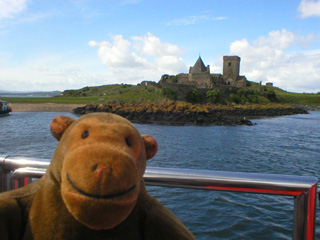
column 309, row 108
column 188, row 114
column 43, row 107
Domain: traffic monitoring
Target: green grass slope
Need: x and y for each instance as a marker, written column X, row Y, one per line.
column 100, row 94
column 298, row 98
column 136, row 94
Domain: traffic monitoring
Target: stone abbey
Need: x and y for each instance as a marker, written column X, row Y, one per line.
column 200, row 78
column 199, row 75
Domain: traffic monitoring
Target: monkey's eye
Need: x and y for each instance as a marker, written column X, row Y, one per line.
column 128, row 142
column 85, row 134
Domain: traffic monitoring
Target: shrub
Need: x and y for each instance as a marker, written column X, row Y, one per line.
column 240, row 92
column 175, row 79
column 249, row 92
column 252, row 98
column 169, row 93
column 234, row 98
column 244, row 99
column 151, row 89
column 193, row 96
column 271, row 95
column 213, row 96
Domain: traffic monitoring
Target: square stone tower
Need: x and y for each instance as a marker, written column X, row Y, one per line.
column 231, row 68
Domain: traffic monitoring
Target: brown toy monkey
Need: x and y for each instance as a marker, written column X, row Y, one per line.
column 93, row 188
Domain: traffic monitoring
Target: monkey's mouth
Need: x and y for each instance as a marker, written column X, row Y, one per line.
column 98, row 196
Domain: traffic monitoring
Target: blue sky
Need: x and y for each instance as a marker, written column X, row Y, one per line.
column 57, row 45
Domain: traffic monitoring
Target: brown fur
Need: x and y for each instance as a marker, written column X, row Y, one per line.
column 93, row 188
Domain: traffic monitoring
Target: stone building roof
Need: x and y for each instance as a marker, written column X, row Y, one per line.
column 198, row 67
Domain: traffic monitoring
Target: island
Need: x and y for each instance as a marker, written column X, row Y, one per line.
column 198, row 97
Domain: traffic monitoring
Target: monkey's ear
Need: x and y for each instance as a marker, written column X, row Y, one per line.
column 59, row 125
column 151, row 145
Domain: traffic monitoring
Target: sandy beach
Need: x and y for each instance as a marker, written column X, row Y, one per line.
column 43, row 107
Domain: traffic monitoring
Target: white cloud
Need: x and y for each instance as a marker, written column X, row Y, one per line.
column 125, row 63
column 309, row 8
column 142, row 58
column 170, row 65
column 220, row 18
column 190, row 20
column 41, row 68
column 36, row 17
column 151, row 45
column 268, row 59
column 118, row 53
column 8, row 8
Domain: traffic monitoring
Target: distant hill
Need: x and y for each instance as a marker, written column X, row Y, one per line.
column 28, row 94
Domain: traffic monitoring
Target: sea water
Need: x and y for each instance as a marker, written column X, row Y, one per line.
column 283, row 145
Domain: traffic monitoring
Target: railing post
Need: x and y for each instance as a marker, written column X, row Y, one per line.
column 304, row 215
column 19, row 181
column 3, row 175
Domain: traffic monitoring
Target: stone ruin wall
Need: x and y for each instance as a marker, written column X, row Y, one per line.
column 201, row 80
column 183, row 89
column 146, row 84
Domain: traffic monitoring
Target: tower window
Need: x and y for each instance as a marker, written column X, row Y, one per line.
column 229, row 63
